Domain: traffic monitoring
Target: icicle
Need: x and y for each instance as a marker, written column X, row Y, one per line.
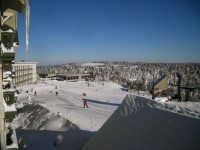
column 27, row 21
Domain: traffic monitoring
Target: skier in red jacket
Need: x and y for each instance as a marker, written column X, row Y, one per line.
column 85, row 103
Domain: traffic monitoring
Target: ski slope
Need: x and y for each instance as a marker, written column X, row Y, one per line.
column 45, row 115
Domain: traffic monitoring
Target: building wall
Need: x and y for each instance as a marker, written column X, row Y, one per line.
column 2, row 127
column 25, row 73
column 77, row 77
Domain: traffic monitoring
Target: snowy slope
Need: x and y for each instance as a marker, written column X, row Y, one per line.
column 49, row 115
column 103, row 99
column 39, row 123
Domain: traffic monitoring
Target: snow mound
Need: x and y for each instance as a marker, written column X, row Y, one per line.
column 144, row 124
column 38, row 128
column 34, row 116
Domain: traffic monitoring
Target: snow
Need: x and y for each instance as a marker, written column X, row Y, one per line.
column 47, row 115
column 134, row 66
column 43, row 128
column 15, row 44
column 133, row 79
column 6, row 50
column 5, row 83
column 142, row 124
column 6, row 74
column 9, row 90
column 161, row 99
column 8, row 79
column 14, row 145
column 92, row 64
column 8, row 31
column 103, row 99
column 9, row 108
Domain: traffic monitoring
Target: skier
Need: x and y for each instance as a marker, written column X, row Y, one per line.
column 56, row 93
column 85, row 103
column 35, row 93
column 29, row 100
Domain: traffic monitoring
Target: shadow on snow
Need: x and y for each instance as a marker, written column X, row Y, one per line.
column 101, row 102
column 45, row 139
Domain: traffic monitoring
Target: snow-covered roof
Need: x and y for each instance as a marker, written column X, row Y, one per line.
column 24, row 63
column 141, row 123
column 8, row 31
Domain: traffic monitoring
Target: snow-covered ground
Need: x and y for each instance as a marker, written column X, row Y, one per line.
column 48, row 115
column 103, row 99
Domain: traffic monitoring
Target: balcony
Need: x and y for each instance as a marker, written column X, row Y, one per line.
column 9, row 96
column 7, row 54
column 7, row 66
column 7, row 49
column 10, row 112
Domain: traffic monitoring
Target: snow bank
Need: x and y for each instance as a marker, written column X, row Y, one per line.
column 38, row 128
column 34, row 116
column 143, row 124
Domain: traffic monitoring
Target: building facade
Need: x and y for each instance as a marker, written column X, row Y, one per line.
column 9, row 10
column 25, row 73
column 73, row 77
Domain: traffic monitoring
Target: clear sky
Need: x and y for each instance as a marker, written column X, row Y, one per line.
column 64, row 31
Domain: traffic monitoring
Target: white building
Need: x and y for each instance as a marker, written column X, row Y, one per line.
column 25, row 73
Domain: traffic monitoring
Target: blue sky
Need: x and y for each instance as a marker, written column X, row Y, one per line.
column 66, row 31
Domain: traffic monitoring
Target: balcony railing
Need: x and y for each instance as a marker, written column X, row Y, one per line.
column 9, row 96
